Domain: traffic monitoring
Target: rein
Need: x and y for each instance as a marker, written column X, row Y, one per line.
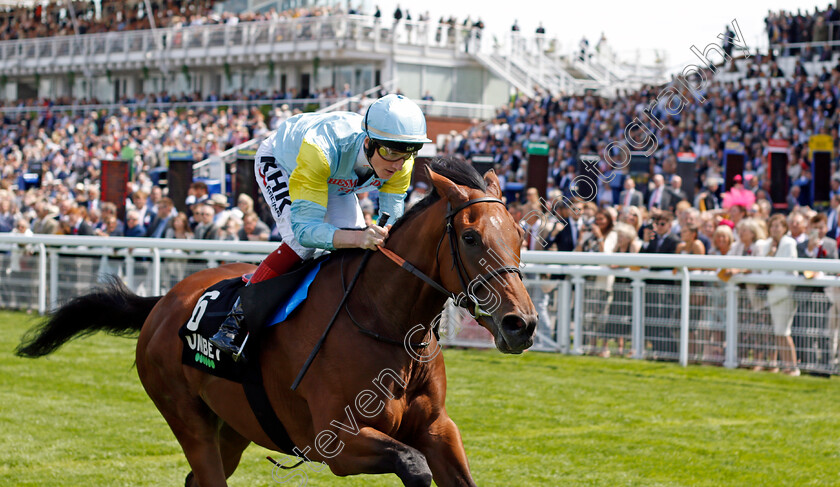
column 463, row 300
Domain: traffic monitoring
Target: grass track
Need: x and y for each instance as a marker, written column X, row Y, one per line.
column 81, row 417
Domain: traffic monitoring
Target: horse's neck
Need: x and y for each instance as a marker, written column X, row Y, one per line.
column 402, row 299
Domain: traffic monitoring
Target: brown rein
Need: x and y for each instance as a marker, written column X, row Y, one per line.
column 459, row 300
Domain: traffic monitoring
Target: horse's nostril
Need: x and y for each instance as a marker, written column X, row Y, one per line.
column 513, row 324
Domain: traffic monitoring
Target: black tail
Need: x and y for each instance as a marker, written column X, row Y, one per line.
column 112, row 308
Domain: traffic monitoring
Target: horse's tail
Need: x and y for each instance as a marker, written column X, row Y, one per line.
column 112, row 308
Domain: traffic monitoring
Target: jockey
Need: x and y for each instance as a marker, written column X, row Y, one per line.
column 309, row 172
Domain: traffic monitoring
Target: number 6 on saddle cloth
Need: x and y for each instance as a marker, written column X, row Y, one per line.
column 265, row 304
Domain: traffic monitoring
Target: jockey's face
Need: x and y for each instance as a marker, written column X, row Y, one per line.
column 385, row 168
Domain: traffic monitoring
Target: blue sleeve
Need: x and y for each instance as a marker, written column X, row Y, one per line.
column 392, row 203
column 309, row 227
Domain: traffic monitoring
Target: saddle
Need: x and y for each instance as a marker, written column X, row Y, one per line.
column 265, row 304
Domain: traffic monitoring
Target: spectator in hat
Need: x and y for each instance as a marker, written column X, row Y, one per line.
column 244, row 205
column 219, row 203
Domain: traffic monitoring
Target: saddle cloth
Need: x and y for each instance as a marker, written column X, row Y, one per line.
column 265, row 304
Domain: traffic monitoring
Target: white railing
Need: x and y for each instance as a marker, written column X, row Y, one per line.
column 300, row 103
column 677, row 315
column 832, row 28
column 170, row 46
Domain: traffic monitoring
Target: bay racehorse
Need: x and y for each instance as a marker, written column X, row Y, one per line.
column 366, row 406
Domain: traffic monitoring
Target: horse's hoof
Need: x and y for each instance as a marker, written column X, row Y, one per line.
column 188, row 480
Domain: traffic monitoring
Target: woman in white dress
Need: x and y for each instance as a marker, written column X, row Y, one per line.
column 780, row 297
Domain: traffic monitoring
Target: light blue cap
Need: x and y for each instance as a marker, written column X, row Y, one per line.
column 395, row 118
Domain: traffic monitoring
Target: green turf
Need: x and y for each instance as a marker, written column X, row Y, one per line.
column 81, row 418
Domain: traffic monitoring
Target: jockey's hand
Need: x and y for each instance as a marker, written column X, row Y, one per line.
column 372, row 236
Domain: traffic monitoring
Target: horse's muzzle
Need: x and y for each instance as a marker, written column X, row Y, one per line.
column 517, row 332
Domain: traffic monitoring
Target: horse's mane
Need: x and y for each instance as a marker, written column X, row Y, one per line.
column 456, row 170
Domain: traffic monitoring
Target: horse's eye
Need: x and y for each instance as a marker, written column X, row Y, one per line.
column 470, row 239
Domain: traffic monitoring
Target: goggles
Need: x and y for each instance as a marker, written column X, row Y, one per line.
column 392, row 155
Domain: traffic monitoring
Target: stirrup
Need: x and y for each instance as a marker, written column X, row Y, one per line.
column 225, row 338
column 237, row 356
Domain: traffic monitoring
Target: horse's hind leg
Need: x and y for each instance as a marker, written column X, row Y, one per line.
column 197, row 430
column 231, row 446
column 195, row 426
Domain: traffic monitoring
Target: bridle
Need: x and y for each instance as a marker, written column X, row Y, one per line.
column 464, row 299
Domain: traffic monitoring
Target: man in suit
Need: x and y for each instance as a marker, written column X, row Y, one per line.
column 630, row 197
column 566, row 239
column 817, row 245
column 657, row 193
column 813, row 306
column 565, row 182
column 832, row 216
column 672, row 195
column 664, row 293
column 165, row 213
column 660, row 240
column 144, row 211
column 205, row 228
column 77, row 223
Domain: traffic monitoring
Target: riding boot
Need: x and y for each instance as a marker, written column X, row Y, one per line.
column 277, row 263
column 225, row 339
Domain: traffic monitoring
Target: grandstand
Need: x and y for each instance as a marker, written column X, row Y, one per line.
column 186, row 90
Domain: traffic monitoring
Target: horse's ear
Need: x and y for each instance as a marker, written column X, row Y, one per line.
column 493, row 185
column 446, row 188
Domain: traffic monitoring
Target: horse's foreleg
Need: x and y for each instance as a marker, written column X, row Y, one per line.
column 441, row 444
column 373, row 452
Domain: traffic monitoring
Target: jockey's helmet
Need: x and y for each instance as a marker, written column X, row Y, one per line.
column 396, row 122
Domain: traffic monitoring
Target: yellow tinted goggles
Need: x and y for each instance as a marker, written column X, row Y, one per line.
column 391, row 155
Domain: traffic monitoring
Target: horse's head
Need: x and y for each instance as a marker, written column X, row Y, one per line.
column 479, row 257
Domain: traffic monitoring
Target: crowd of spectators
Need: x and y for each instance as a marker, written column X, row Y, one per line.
column 650, row 212
column 792, row 28
column 55, row 19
